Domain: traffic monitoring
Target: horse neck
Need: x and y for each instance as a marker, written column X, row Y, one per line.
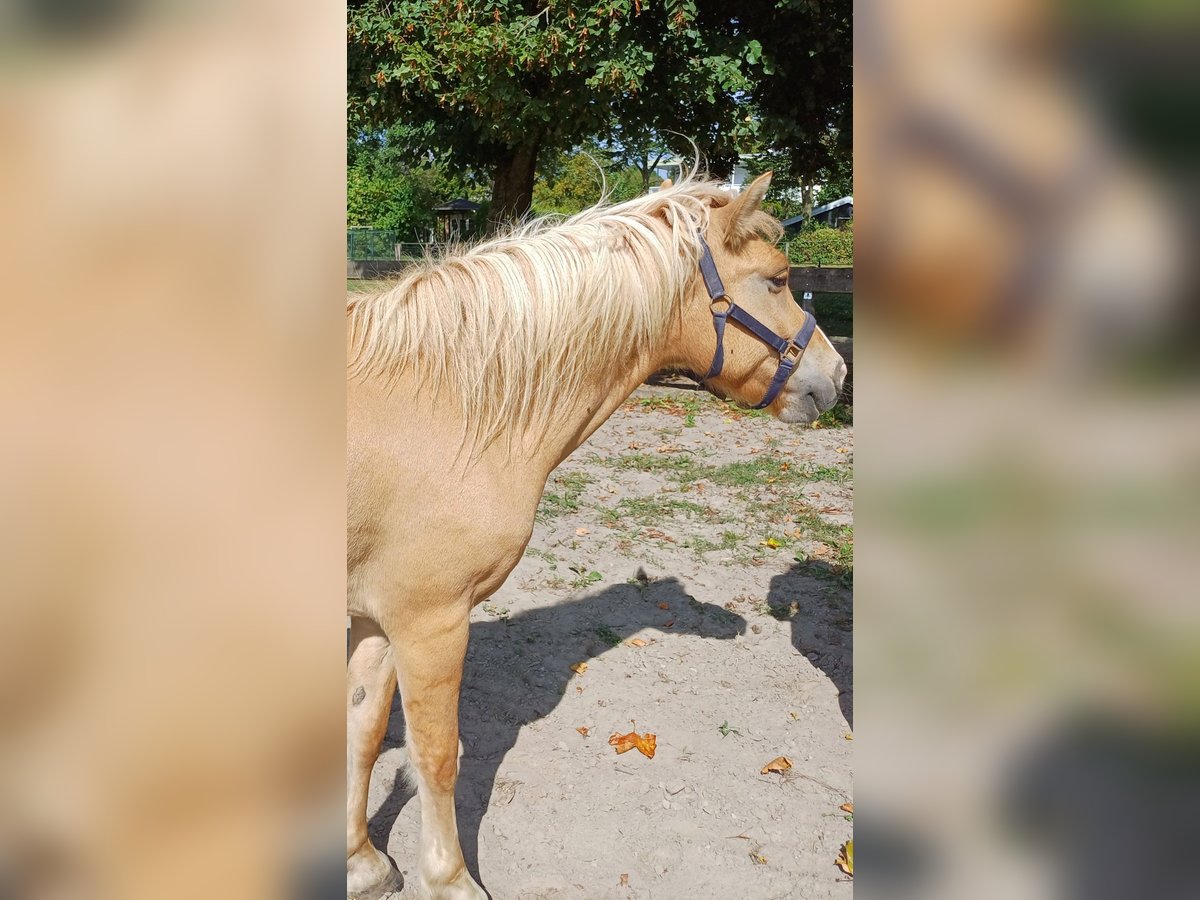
column 578, row 416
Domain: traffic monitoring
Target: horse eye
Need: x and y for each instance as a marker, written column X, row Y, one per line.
column 780, row 281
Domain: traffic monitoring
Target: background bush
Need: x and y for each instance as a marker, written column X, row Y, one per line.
column 821, row 246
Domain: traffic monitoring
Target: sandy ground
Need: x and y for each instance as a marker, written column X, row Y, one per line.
column 659, row 529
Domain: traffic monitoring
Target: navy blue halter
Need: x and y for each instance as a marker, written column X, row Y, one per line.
column 789, row 351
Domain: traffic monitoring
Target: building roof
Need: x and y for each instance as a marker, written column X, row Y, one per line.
column 459, row 205
column 817, row 210
column 832, row 204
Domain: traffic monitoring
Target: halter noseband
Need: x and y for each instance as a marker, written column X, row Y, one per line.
column 789, row 351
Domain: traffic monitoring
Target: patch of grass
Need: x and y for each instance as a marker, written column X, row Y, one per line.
column 500, row 612
column 569, row 486
column 367, row 285
column 584, row 577
column 733, row 411
column 607, row 635
column 650, row 510
column 838, row 416
column 680, row 467
column 835, row 313
column 672, row 405
column 760, row 470
column 658, row 401
column 730, row 540
column 833, row 474
column 544, row 555
column 726, row 730
column 781, row 611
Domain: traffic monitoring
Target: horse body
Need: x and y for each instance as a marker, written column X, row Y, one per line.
column 448, row 457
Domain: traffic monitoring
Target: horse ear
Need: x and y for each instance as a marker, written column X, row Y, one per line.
column 741, row 212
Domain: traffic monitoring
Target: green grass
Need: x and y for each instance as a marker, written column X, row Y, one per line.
column 685, row 469
column 607, row 635
column 835, row 313
column 764, row 470
column 366, row 285
column 584, row 577
column 839, row 416
column 730, row 540
column 651, row 510
column 568, row 487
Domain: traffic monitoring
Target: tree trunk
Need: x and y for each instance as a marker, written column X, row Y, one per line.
column 512, row 187
column 807, row 191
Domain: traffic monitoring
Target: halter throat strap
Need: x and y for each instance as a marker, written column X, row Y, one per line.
column 789, row 349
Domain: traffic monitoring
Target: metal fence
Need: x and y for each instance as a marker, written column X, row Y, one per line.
column 363, row 244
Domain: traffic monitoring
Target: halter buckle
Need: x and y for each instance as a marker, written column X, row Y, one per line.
column 724, row 298
column 791, row 353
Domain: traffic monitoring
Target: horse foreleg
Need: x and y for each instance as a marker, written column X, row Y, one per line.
column 430, row 650
column 370, row 685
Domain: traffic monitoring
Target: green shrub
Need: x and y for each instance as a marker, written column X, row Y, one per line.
column 821, row 246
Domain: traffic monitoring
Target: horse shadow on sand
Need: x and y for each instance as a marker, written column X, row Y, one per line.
column 815, row 597
column 536, row 649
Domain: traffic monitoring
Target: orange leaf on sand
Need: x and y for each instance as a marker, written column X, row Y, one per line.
column 779, row 764
column 579, row 668
column 845, row 860
column 624, row 879
column 581, row 531
column 637, row 642
column 583, row 729
column 847, row 807
column 663, row 606
column 645, row 743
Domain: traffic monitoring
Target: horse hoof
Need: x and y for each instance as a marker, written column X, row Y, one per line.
column 392, row 883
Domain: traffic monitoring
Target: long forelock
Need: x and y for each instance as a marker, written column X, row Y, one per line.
column 509, row 326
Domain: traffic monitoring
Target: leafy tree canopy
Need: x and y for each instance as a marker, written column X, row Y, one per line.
column 487, row 84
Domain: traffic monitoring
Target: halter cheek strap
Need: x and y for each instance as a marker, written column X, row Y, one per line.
column 789, row 350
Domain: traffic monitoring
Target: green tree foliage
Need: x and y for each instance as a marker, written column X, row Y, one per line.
column 490, row 84
column 568, row 183
column 639, row 148
column 383, row 190
column 802, row 81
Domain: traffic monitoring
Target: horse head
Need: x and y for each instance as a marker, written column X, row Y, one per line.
column 771, row 355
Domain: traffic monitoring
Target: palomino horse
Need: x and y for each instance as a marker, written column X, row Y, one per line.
column 470, row 381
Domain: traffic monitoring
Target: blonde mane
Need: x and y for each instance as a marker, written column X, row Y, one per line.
column 507, row 327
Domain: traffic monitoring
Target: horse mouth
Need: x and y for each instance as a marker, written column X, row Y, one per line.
column 801, row 410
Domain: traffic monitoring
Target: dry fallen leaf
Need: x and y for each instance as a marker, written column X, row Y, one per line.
column 624, row 879
column 779, row 764
column 849, row 737
column 637, row 642
column 784, row 467
column 847, row 807
column 757, row 858
column 845, row 860
column 663, row 606
column 583, row 729
column 579, row 668
column 645, row 743
column 582, row 531
column 843, row 450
